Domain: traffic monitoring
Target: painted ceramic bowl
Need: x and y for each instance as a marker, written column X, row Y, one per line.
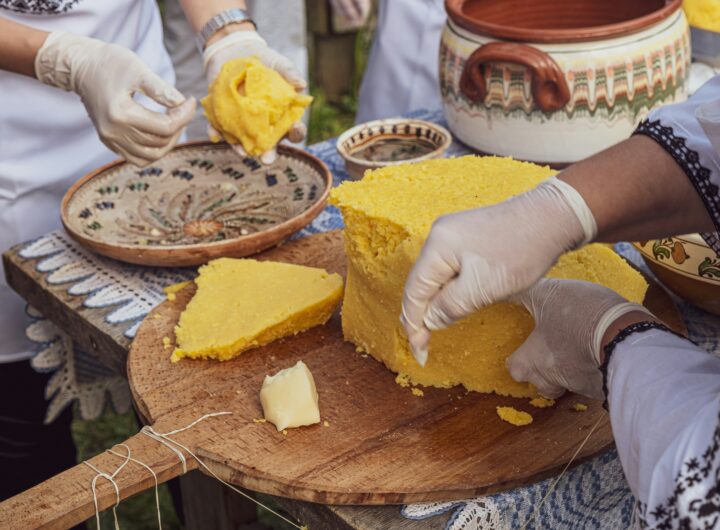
column 550, row 83
column 199, row 202
column 383, row 143
column 687, row 266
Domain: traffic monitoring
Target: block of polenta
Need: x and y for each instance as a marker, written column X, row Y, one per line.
column 244, row 303
column 253, row 105
column 388, row 215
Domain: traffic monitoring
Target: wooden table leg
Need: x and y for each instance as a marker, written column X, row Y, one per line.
column 209, row 505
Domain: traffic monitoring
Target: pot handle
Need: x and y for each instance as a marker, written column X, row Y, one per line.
column 549, row 87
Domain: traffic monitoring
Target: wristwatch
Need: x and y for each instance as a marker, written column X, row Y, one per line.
column 219, row 21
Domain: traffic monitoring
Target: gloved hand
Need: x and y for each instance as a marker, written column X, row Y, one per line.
column 475, row 258
column 106, row 76
column 563, row 351
column 248, row 43
column 353, row 10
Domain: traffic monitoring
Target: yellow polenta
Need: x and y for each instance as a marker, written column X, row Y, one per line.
column 388, row 215
column 244, row 303
column 252, row 105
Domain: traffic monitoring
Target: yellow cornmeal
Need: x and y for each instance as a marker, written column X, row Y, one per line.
column 514, row 416
column 388, row 215
column 243, row 303
column 253, row 105
column 580, row 407
column 175, row 287
column 542, row 403
column 703, row 14
column 417, row 392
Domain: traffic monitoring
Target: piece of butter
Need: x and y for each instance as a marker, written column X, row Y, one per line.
column 289, row 398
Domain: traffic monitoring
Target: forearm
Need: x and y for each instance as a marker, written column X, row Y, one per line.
column 198, row 12
column 636, row 191
column 19, row 45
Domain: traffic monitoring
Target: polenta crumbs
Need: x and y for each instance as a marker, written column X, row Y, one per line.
column 403, row 380
column 417, row 392
column 514, row 416
column 542, row 403
column 166, row 342
column 284, row 431
column 580, row 407
column 259, row 420
column 326, row 423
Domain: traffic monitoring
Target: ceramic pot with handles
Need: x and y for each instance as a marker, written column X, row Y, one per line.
column 555, row 81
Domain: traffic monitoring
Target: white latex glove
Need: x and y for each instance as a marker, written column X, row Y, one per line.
column 475, row 258
column 106, row 77
column 563, row 351
column 248, row 43
column 354, row 11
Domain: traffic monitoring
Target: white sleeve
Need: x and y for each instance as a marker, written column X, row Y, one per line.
column 677, row 129
column 663, row 394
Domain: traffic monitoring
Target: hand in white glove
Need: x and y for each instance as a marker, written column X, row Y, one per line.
column 352, row 10
column 106, row 77
column 475, row 258
column 248, row 43
column 563, row 351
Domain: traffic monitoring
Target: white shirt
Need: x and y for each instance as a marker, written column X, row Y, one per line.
column 47, row 140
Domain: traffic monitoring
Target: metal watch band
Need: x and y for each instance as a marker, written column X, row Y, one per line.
column 219, row 21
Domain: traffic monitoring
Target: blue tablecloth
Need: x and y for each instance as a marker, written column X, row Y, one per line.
column 591, row 495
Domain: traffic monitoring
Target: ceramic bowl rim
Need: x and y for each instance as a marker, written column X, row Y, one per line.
column 293, row 224
column 455, row 13
column 374, row 164
column 688, row 238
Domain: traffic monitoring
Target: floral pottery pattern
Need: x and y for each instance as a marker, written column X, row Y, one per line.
column 613, row 84
column 687, row 266
column 199, row 194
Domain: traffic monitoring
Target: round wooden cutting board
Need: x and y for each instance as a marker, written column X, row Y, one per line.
column 382, row 444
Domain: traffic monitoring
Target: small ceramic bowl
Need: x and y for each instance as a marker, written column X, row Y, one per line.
column 390, row 142
column 687, row 266
column 199, row 202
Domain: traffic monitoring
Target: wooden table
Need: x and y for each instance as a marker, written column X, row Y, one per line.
column 207, row 503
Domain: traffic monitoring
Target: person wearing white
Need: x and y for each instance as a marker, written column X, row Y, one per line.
column 661, row 390
column 82, row 81
column 402, row 70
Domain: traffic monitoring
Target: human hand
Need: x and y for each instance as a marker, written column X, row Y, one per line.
column 247, row 43
column 106, row 77
column 353, row 11
column 478, row 257
column 564, row 349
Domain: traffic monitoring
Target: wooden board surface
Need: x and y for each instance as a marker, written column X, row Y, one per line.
column 383, row 445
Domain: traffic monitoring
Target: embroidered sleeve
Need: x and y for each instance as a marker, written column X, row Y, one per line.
column 663, row 395
column 676, row 129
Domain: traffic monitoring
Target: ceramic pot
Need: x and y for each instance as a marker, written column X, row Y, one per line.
column 555, row 81
column 687, row 266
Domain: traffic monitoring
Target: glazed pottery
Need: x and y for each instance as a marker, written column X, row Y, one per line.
column 383, row 143
column 199, row 202
column 687, row 266
column 555, row 81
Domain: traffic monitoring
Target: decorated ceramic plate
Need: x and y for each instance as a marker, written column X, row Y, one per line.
column 200, row 202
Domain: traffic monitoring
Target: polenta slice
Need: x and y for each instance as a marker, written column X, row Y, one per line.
column 244, row 303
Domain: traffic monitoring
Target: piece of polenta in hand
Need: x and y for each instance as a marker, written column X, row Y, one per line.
column 252, row 105
column 244, row 303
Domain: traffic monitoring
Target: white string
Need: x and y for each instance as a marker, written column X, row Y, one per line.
column 557, row 480
column 111, row 478
column 157, row 495
column 166, row 440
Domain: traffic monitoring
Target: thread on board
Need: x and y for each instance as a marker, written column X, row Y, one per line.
column 177, row 448
column 560, row 476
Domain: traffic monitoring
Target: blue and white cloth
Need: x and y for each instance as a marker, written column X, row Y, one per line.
column 591, row 495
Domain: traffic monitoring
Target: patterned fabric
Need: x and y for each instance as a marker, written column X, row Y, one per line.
column 38, row 7
column 689, row 160
column 638, row 327
column 591, row 495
